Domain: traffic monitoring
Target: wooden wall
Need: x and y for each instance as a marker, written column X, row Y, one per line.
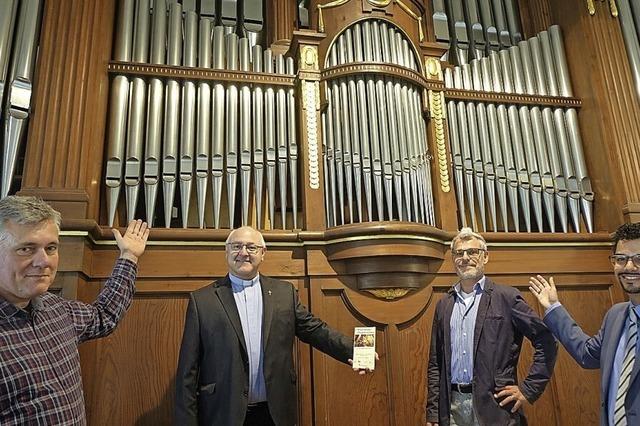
column 129, row 376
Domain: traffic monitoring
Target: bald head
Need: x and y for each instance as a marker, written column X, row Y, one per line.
column 246, row 230
column 245, row 248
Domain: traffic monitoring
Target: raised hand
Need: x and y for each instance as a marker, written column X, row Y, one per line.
column 134, row 240
column 543, row 290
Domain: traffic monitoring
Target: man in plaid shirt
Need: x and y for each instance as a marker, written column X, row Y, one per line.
column 40, row 381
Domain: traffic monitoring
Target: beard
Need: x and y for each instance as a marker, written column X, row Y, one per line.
column 470, row 274
column 630, row 289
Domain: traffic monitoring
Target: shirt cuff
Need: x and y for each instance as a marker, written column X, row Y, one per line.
column 552, row 307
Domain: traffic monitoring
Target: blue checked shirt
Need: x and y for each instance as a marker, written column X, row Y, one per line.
column 463, row 322
column 40, row 381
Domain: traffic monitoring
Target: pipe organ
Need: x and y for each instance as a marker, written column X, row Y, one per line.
column 239, row 145
column 376, row 159
column 516, row 167
column 359, row 136
column 629, row 12
column 527, row 160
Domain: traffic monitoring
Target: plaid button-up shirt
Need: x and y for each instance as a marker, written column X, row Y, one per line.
column 40, row 381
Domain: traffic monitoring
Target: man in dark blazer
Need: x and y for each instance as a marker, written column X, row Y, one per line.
column 236, row 364
column 476, row 339
column 605, row 350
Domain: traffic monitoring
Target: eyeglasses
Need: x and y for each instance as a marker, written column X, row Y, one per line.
column 251, row 248
column 471, row 252
column 622, row 259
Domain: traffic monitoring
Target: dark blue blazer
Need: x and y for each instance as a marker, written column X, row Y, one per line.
column 503, row 319
column 599, row 351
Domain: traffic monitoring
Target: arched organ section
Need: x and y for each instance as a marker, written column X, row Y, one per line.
column 376, row 160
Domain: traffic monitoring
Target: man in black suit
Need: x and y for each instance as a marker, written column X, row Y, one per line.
column 476, row 339
column 236, row 364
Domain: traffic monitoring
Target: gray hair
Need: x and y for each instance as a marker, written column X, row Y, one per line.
column 245, row 228
column 27, row 211
column 467, row 234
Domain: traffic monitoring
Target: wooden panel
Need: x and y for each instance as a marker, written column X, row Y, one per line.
column 588, row 308
column 338, row 392
column 543, row 411
column 410, row 365
column 198, row 262
column 135, row 366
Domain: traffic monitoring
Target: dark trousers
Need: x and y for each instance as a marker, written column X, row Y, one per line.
column 258, row 415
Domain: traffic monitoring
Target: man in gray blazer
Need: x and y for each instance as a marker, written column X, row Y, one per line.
column 477, row 334
column 607, row 350
column 236, row 364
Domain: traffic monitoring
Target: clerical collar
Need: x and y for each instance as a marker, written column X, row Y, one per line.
column 244, row 283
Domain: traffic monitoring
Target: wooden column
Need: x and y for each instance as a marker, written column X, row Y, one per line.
column 282, row 16
column 535, row 16
column 63, row 159
column 438, row 140
column 610, row 113
column 304, row 48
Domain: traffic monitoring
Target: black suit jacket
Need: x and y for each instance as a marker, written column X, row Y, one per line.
column 212, row 381
column 502, row 321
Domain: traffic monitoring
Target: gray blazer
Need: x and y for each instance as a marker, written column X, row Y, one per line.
column 503, row 320
column 212, row 381
column 598, row 351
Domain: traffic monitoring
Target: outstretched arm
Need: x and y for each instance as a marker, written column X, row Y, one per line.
column 101, row 318
column 582, row 347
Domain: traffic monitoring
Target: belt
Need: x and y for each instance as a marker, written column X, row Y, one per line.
column 257, row 406
column 461, row 388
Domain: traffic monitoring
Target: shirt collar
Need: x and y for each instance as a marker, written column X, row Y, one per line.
column 8, row 310
column 477, row 287
column 239, row 283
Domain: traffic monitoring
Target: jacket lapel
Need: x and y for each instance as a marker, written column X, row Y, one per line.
column 225, row 294
column 485, row 301
column 636, row 365
column 610, row 347
column 448, row 310
column 267, row 307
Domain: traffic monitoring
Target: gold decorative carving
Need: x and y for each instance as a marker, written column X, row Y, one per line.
column 389, row 293
column 309, row 58
column 436, row 106
column 379, row 3
column 329, row 5
column 311, row 106
column 613, row 7
column 433, row 69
